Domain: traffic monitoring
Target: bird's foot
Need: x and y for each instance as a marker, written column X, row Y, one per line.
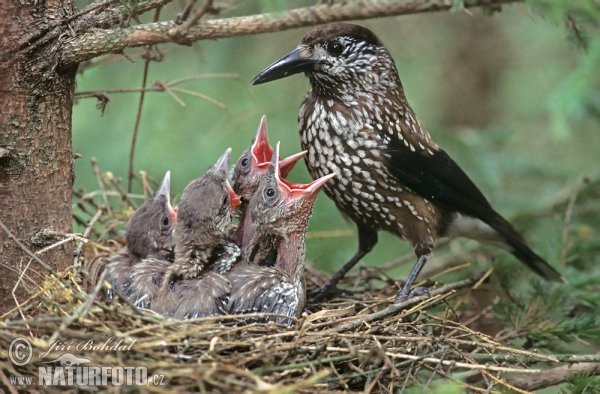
column 327, row 291
column 417, row 291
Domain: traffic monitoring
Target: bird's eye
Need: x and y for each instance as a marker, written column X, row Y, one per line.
column 225, row 202
column 166, row 221
column 245, row 162
column 270, row 192
column 335, row 48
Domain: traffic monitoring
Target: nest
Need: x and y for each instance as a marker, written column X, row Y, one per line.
column 354, row 343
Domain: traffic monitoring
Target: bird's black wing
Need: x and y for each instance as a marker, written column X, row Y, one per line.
column 432, row 174
column 439, row 179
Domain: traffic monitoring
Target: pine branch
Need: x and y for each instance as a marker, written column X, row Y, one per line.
column 100, row 42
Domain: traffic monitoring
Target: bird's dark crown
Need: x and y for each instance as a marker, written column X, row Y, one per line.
column 332, row 32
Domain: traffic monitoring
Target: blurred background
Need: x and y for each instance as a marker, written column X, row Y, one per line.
column 509, row 97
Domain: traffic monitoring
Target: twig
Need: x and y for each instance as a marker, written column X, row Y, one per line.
column 180, row 30
column 98, row 174
column 81, row 311
column 69, row 238
column 86, row 233
column 160, row 86
column 7, row 383
column 200, row 95
column 36, row 295
column 18, row 306
column 554, row 376
column 395, row 308
column 435, row 360
column 183, row 15
column 170, row 91
column 26, row 250
column 18, row 272
column 138, row 117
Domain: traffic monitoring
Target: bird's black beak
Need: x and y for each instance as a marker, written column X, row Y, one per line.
column 292, row 63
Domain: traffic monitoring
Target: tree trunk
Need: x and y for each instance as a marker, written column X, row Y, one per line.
column 36, row 161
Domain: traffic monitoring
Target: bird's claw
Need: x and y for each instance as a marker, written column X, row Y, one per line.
column 417, row 291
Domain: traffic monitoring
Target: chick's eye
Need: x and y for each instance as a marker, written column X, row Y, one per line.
column 224, row 202
column 335, row 48
column 166, row 221
column 270, row 192
column 245, row 162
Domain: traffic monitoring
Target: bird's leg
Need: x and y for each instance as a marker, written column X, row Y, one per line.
column 367, row 239
column 424, row 254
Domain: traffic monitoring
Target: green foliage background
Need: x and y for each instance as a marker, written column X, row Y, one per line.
column 525, row 129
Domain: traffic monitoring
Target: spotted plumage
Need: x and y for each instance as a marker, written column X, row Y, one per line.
column 391, row 175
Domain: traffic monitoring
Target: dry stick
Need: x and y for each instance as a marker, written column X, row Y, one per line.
column 503, row 383
column 432, row 360
column 180, row 30
column 183, row 15
column 81, row 311
column 374, row 382
column 125, row 197
column 139, row 109
column 199, row 95
column 223, row 76
column 477, row 356
column 160, row 86
column 18, row 272
column 36, row 295
column 563, row 358
column 171, row 93
column 18, row 306
column 554, row 376
column 7, row 383
column 463, row 376
column 98, row 174
column 395, row 308
column 145, row 186
column 138, row 116
column 70, row 237
column 26, row 250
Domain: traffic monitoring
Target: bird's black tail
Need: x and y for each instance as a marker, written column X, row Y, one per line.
column 520, row 250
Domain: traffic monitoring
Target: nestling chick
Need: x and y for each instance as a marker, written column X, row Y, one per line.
column 254, row 162
column 193, row 285
column 149, row 233
column 280, row 213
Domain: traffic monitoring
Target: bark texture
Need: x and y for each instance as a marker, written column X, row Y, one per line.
column 36, row 162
